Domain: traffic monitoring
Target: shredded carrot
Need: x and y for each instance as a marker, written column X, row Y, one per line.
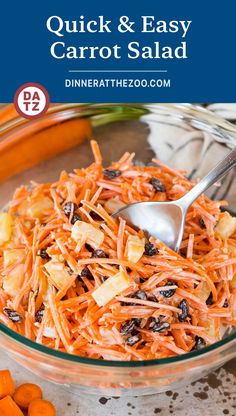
column 158, row 305
column 190, row 246
column 96, row 151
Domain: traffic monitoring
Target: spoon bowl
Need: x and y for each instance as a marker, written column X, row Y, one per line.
column 162, row 220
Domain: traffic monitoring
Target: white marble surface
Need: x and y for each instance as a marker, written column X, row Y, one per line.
column 213, row 396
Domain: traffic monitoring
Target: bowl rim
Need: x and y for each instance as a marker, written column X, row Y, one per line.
column 111, row 363
column 189, row 110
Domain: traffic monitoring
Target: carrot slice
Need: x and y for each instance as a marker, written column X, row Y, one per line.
column 7, row 385
column 26, row 393
column 41, row 407
column 9, row 408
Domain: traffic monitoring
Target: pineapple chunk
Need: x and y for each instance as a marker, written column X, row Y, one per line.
column 12, row 282
column 86, row 233
column 59, row 276
column 36, row 207
column 6, row 222
column 213, row 330
column 111, row 288
column 226, row 226
column 13, row 256
column 203, row 291
column 135, row 248
column 114, row 204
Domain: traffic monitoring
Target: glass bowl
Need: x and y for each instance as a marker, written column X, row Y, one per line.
column 184, row 136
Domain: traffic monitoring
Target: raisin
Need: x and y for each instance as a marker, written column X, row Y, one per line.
column 209, row 300
column 161, row 327
column 150, row 249
column 128, row 326
column 133, row 340
column 75, row 217
column 89, row 248
column 43, row 254
column 39, row 315
column 154, row 321
column 69, row 208
column 199, row 343
column 140, row 294
column 12, row 315
column 226, row 304
column 69, row 270
column 202, row 223
column 95, row 216
column 152, row 298
column 103, row 278
column 170, row 292
column 183, row 305
column 157, row 185
column 137, row 321
column 86, row 273
column 111, row 173
column 99, row 254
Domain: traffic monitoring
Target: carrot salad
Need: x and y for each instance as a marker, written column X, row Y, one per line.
column 75, row 279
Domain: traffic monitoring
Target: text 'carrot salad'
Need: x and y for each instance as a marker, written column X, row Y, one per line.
column 75, row 279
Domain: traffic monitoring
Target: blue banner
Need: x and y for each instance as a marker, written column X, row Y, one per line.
column 124, row 51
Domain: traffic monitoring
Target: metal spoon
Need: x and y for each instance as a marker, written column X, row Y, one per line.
column 166, row 220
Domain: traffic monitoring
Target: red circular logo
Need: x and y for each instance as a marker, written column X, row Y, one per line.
column 31, row 100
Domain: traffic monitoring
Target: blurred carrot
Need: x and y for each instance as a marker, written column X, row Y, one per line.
column 26, row 393
column 7, row 386
column 9, row 408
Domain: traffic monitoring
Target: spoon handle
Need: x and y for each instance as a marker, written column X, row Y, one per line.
column 213, row 176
